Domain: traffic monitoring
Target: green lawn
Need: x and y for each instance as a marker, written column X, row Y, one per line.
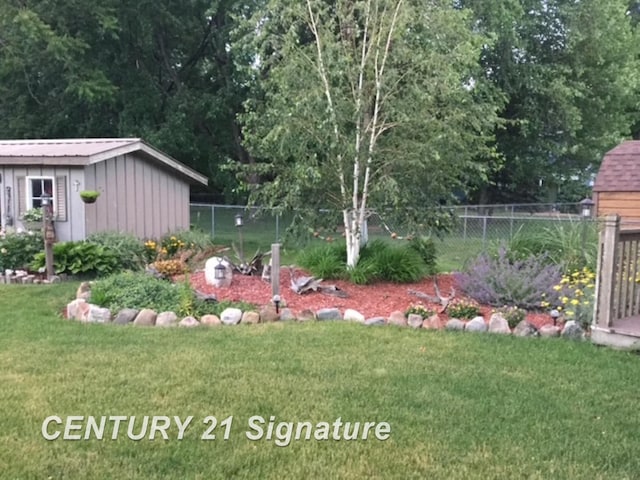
column 459, row 405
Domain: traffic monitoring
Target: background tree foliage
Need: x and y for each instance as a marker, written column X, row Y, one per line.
column 562, row 75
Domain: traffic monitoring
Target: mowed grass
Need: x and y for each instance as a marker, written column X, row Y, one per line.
column 460, row 406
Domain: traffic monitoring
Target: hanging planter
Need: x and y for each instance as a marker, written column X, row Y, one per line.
column 89, row 196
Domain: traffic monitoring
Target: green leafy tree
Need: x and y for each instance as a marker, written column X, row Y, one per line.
column 365, row 104
column 569, row 72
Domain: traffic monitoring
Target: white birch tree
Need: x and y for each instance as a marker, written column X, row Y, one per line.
column 366, row 104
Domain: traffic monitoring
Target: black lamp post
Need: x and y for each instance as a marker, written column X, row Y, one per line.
column 587, row 209
column 219, row 271
column 239, row 224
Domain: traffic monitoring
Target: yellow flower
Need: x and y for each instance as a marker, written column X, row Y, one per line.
column 586, row 303
column 557, row 288
column 545, row 304
column 575, row 301
column 569, row 313
column 578, row 292
column 564, row 280
column 564, row 299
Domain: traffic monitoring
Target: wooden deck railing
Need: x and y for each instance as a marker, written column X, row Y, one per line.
column 618, row 281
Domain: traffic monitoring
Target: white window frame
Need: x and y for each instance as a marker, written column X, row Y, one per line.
column 29, row 191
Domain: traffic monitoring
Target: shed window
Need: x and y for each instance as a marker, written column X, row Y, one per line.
column 38, row 187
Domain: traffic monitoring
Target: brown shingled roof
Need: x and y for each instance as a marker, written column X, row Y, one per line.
column 620, row 169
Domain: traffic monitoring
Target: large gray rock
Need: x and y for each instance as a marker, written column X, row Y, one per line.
column 77, row 309
column 189, row 322
column 126, row 315
column 287, row 314
column 573, row 331
column 250, row 317
column 306, row 315
column 231, row 316
column 525, row 329
column 209, row 272
column 375, row 321
column 454, row 324
column 97, row 314
column 499, row 324
column 414, row 320
column 167, row 319
column 145, row 318
column 548, row 331
column 268, row 314
column 352, row 315
column 432, row 323
column 397, row 318
column 476, row 324
column 328, row 314
column 210, row 320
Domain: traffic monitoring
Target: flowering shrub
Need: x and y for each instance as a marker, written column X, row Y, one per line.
column 495, row 280
column 18, row 249
column 170, row 268
column 512, row 314
column 419, row 309
column 32, row 215
column 574, row 296
column 463, row 310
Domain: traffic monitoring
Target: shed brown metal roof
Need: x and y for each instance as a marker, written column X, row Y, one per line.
column 620, row 169
column 85, row 151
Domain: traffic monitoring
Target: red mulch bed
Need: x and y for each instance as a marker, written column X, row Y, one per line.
column 379, row 299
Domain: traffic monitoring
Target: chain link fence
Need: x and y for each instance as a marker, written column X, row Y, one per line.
column 474, row 228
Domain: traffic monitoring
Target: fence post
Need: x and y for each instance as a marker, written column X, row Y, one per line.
column 484, row 231
column 213, row 220
column 511, row 223
column 607, row 256
column 464, row 231
column 277, row 226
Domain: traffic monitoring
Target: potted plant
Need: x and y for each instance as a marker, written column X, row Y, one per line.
column 32, row 219
column 89, row 196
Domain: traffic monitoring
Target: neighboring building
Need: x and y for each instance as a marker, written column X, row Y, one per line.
column 617, row 185
column 142, row 190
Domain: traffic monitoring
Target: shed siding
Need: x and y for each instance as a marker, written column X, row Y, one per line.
column 625, row 204
column 136, row 197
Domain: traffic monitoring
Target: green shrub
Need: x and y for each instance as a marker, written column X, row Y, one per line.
column 325, row 261
column 379, row 261
column 80, row 258
column 129, row 250
column 136, row 290
column 463, row 310
column 571, row 244
column 426, row 248
column 17, row 250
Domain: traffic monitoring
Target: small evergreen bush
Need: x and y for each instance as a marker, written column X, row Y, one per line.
column 499, row 281
column 136, row 290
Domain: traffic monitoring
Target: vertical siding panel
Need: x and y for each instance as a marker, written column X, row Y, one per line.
column 172, row 194
column 141, row 229
column 156, row 205
column 122, row 195
column 110, row 187
column 167, row 224
column 90, row 214
column 75, row 208
column 131, row 206
column 148, row 199
column 184, row 205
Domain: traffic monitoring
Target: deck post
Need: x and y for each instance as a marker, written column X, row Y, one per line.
column 605, row 281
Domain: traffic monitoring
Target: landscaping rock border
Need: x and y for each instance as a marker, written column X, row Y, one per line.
column 82, row 310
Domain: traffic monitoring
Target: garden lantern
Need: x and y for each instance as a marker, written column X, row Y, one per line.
column 555, row 314
column 219, row 271
column 587, row 207
column 239, row 223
